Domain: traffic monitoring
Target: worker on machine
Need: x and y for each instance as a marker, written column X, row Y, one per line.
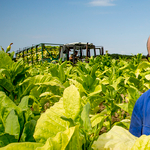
column 76, row 57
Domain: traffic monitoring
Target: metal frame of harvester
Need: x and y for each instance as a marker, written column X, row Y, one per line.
column 85, row 50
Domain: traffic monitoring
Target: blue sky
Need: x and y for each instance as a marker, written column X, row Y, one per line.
column 121, row 26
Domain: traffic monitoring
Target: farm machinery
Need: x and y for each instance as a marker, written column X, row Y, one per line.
column 49, row 52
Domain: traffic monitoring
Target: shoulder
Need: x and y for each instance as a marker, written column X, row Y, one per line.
column 143, row 99
column 144, row 96
column 147, row 93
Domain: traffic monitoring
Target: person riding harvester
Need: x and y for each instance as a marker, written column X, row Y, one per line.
column 79, row 51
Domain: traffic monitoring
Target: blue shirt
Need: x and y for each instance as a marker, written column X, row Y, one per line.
column 140, row 120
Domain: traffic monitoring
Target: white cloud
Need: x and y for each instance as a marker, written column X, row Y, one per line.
column 102, row 3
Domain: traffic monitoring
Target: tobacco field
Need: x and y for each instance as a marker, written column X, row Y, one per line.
column 60, row 106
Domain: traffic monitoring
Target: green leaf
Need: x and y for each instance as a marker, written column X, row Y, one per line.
column 28, row 84
column 50, row 123
column 97, row 119
column 17, row 68
column 105, row 81
column 5, row 139
column 24, row 103
column 93, row 70
column 6, row 61
column 142, row 143
column 117, row 81
column 46, row 94
column 123, row 106
column 12, row 125
column 147, row 76
column 67, row 140
column 6, row 84
column 5, row 73
column 88, row 80
column 116, row 138
column 61, row 74
column 143, row 65
column 78, row 85
column 28, row 114
column 28, row 131
column 124, row 123
column 133, row 94
column 54, row 71
column 131, row 104
column 22, row 146
column 72, row 123
column 134, row 80
column 51, row 83
column 71, row 102
column 2, row 129
column 97, row 90
column 76, row 141
column 85, row 118
column 7, row 105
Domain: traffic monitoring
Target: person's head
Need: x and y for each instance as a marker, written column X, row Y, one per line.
column 76, row 52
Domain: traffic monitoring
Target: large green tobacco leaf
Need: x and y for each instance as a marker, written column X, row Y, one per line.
column 12, row 125
column 117, row 138
column 142, row 143
column 71, row 102
column 10, row 115
column 121, row 139
column 5, row 60
column 50, row 122
column 6, row 105
column 67, row 140
column 22, row 146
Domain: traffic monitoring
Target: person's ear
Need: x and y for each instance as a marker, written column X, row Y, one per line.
column 148, row 46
